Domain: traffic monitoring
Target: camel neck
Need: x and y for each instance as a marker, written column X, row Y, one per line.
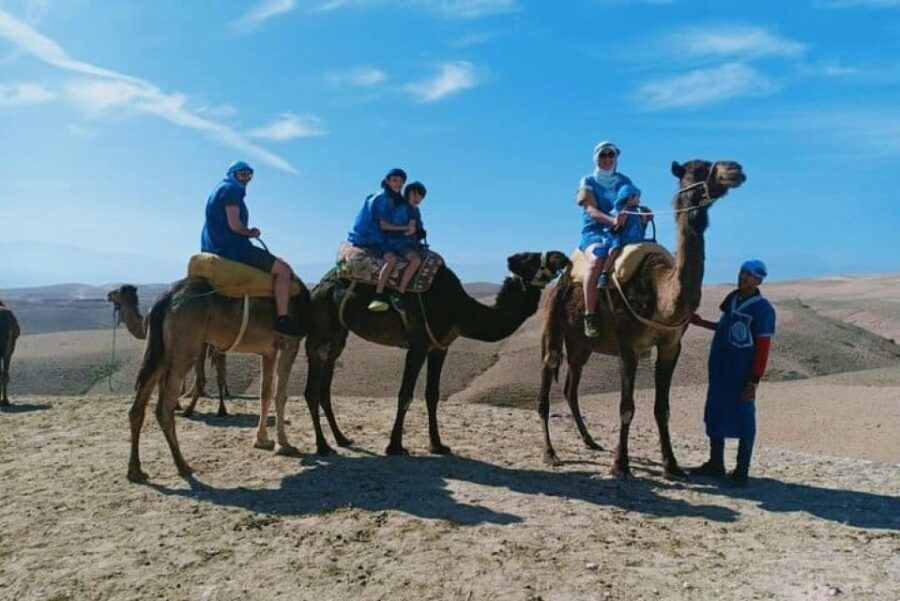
column 687, row 280
column 511, row 308
column 131, row 317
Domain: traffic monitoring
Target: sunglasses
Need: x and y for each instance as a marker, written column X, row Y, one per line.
column 607, row 155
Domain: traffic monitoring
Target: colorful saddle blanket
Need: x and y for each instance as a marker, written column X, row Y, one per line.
column 626, row 264
column 231, row 278
column 354, row 263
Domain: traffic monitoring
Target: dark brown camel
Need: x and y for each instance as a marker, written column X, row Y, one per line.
column 450, row 313
column 181, row 321
column 9, row 333
column 664, row 296
column 128, row 311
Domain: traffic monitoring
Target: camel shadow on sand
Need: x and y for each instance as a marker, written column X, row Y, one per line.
column 24, row 408
column 420, row 486
column 849, row 507
column 232, row 420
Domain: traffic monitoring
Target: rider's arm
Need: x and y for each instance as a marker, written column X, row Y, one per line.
column 234, row 220
column 387, row 226
column 585, row 198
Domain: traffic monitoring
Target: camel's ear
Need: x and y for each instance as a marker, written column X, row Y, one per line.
column 677, row 169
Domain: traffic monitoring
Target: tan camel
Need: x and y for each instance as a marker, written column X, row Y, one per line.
column 9, row 333
column 662, row 299
column 450, row 313
column 181, row 321
column 125, row 300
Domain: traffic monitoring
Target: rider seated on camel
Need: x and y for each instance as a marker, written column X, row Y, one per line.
column 225, row 233
column 407, row 243
column 632, row 231
column 596, row 196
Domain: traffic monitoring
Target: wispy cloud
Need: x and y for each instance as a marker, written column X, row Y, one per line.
column 288, row 127
column 23, row 94
column 704, row 86
column 829, row 68
column 729, row 42
column 453, row 78
column 262, row 11
column 454, row 9
column 112, row 89
column 361, row 77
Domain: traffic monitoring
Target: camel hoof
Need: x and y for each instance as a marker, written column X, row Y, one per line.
column 187, row 413
column 343, row 441
column 137, row 475
column 287, row 450
column 674, row 473
column 323, row 450
column 266, row 445
column 440, row 449
column 398, row 450
column 177, row 406
column 620, row 471
column 5, row 403
column 222, row 413
column 185, row 470
column 593, row 446
column 551, row 459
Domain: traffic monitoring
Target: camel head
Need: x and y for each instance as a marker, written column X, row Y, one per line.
column 538, row 269
column 701, row 183
column 123, row 295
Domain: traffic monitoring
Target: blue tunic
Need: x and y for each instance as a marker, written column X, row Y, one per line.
column 217, row 236
column 730, row 360
column 399, row 242
column 634, row 228
column 366, row 232
column 593, row 231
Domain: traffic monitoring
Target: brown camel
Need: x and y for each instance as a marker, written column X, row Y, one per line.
column 9, row 332
column 125, row 300
column 181, row 321
column 664, row 296
column 450, row 313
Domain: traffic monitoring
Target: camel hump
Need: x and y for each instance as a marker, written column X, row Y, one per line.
column 231, row 278
column 626, row 265
column 355, row 263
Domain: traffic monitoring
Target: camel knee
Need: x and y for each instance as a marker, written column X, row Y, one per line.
column 627, row 416
column 552, row 359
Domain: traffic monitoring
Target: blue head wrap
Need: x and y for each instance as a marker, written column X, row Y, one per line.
column 626, row 192
column 756, row 268
column 395, row 171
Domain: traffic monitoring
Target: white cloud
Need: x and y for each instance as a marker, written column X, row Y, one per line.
column 23, row 94
column 111, row 89
column 455, row 9
column 454, row 77
column 288, row 127
column 829, row 68
column 705, row 86
column 262, row 11
column 362, row 77
column 730, row 42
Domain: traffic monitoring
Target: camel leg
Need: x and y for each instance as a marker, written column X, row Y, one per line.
column 415, row 358
column 577, row 362
column 4, row 380
column 283, row 373
column 549, row 367
column 628, row 361
column 199, row 388
column 136, row 419
column 325, row 396
column 218, row 360
column 165, row 413
column 315, row 366
column 666, row 359
column 432, row 396
column 265, row 398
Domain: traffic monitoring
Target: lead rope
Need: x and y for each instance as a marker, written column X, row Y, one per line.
column 112, row 357
column 244, row 321
column 428, row 332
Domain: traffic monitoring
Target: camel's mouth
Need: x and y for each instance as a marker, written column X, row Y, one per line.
column 730, row 174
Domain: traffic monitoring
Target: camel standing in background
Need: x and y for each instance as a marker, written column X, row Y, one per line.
column 185, row 318
column 665, row 297
column 125, row 300
column 9, row 333
column 450, row 313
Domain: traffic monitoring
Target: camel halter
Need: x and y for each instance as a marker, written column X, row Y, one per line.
column 543, row 276
column 707, row 199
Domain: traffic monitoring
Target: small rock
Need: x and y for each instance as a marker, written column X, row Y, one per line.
column 834, row 591
column 685, row 585
column 592, row 566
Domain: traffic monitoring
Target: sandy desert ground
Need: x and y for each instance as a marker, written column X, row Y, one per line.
column 821, row 519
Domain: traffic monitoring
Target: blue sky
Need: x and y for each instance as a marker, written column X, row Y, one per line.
column 117, row 119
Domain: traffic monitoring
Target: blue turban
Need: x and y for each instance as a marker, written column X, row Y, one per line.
column 756, row 268
column 239, row 166
column 395, row 171
column 626, row 192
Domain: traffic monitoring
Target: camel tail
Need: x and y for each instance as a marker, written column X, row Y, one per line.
column 153, row 349
column 554, row 319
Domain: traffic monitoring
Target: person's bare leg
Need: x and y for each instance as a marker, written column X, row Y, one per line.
column 415, row 261
column 282, row 273
column 390, row 261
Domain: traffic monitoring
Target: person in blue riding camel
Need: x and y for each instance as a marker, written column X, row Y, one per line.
column 596, row 196
column 737, row 362
column 379, row 230
column 225, row 233
column 632, row 231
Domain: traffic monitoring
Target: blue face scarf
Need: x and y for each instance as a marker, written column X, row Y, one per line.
column 605, row 177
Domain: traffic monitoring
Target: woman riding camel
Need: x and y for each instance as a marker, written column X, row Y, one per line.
column 225, row 233
column 597, row 195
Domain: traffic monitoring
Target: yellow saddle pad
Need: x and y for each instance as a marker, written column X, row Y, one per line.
column 231, row 278
column 626, row 265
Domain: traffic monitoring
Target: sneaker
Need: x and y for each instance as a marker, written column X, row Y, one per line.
column 286, row 327
column 708, row 470
column 738, row 478
column 603, row 280
column 379, row 304
column 591, row 326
